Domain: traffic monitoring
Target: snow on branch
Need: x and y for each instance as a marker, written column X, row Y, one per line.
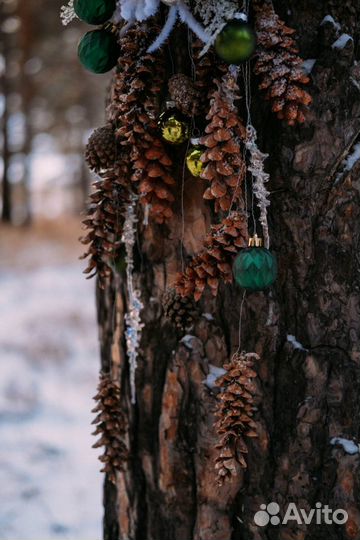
column 67, row 13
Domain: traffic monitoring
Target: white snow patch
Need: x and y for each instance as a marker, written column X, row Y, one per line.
column 350, row 447
column 352, row 158
column 349, row 162
column 188, row 341
column 51, row 487
column 355, row 83
column 331, row 20
column 295, row 343
column 308, row 65
column 342, row 41
column 214, row 373
column 208, row 316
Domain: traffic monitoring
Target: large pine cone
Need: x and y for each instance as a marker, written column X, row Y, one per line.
column 279, row 66
column 100, row 151
column 223, row 158
column 208, row 68
column 135, row 108
column 184, row 93
column 111, row 426
column 214, row 263
column 235, row 413
column 180, row 311
column 104, row 221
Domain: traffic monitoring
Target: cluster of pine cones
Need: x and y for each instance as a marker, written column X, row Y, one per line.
column 129, row 155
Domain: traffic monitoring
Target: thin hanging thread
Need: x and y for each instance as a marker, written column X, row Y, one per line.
column 234, row 72
column 192, row 126
column 240, row 322
column 247, row 86
column 258, row 175
column 183, row 209
column 246, row 6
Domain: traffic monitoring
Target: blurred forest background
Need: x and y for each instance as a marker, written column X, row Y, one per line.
column 48, row 105
column 51, row 487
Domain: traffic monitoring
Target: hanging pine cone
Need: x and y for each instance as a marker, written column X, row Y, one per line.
column 104, row 221
column 134, row 110
column 208, row 68
column 111, row 426
column 184, row 94
column 180, row 311
column 235, row 412
column 214, row 263
column 279, row 66
column 100, row 151
column 224, row 165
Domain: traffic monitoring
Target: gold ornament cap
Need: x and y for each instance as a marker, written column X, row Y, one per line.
column 255, row 241
column 110, row 27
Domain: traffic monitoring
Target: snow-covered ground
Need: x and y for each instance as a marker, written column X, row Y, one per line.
column 50, row 484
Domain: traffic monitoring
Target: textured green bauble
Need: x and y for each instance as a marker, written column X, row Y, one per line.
column 99, row 51
column 255, row 268
column 94, row 11
column 236, row 43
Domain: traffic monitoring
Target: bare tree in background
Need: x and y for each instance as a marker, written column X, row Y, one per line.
column 6, row 48
column 41, row 81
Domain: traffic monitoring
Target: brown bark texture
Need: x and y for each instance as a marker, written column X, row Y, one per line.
column 305, row 395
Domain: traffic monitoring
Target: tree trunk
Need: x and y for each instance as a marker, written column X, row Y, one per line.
column 26, row 37
column 6, row 213
column 306, row 331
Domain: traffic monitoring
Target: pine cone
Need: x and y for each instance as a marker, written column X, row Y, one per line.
column 104, row 221
column 224, row 165
column 134, row 110
column 279, row 66
column 235, row 412
column 111, row 426
column 184, row 93
column 208, row 68
column 214, row 263
column 100, row 151
column 180, row 311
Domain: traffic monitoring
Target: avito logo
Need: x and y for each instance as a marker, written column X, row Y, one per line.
column 319, row 515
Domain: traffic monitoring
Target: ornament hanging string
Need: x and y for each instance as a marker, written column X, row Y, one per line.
column 234, row 73
column 192, row 127
column 256, row 167
column 240, row 321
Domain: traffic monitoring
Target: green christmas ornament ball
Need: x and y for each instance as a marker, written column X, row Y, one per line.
column 255, row 268
column 94, row 11
column 236, row 43
column 99, row 50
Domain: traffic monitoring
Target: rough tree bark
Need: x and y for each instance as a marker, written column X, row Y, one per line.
column 309, row 393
